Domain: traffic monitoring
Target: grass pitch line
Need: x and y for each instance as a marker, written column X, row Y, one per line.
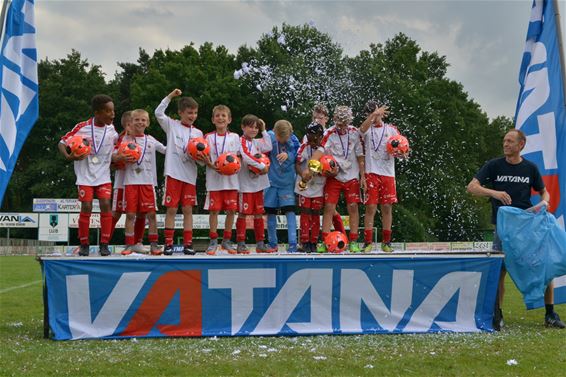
column 19, row 286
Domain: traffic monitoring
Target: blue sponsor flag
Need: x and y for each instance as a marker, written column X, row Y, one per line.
column 541, row 111
column 19, row 105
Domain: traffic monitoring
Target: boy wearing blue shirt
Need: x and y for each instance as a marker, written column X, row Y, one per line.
column 280, row 196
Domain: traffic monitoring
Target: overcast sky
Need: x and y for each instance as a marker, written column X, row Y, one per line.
column 482, row 40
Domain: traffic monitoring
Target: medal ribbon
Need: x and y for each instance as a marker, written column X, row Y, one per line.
column 186, row 142
column 223, row 143
column 278, row 152
column 144, row 148
column 380, row 140
column 96, row 150
column 346, row 150
column 250, row 145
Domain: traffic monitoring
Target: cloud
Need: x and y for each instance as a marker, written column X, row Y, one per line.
column 152, row 11
column 482, row 40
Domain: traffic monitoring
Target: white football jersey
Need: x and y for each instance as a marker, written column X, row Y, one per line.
column 95, row 169
column 219, row 144
column 251, row 182
column 144, row 170
column 378, row 161
column 178, row 164
column 345, row 149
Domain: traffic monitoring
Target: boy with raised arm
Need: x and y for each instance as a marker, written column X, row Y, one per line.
column 180, row 169
column 380, row 174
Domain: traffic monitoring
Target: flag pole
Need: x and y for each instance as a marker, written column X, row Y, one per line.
column 560, row 48
column 5, row 4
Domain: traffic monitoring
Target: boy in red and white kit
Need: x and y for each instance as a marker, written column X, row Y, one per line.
column 252, row 184
column 380, row 174
column 311, row 196
column 93, row 170
column 344, row 143
column 320, row 115
column 222, row 190
column 180, row 168
column 118, row 196
column 140, row 179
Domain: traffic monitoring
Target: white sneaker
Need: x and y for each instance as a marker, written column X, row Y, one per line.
column 138, row 248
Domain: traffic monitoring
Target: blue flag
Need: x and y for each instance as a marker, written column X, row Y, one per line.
column 19, row 105
column 541, row 113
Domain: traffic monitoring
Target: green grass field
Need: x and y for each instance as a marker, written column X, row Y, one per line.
column 23, row 351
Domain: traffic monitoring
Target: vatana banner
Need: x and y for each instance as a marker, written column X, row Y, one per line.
column 161, row 297
column 541, row 111
column 541, row 106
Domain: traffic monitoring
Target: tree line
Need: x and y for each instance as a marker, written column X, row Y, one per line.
column 289, row 70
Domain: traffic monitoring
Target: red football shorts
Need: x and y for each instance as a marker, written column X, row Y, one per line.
column 334, row 187
column 224, row 200
column 251, row 203
column 311, row 203
column 380, row 189
column 119, row 200
column 140, row 198
column 177, row 191
column 86, row 193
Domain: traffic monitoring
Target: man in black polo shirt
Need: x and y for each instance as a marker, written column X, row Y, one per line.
column 511, row 179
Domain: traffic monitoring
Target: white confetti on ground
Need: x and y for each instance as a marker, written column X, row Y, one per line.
column 236, row 352
column 262, row 355
column 369, row 366
column 319, row 357
column 272, row 350
column 512, row 362
column 16, row 324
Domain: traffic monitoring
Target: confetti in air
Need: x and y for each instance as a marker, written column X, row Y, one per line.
column 295, row 67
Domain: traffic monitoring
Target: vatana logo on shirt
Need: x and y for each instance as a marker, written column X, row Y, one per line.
column 512, row 178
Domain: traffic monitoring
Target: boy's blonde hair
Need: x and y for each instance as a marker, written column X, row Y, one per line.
column 126, row 117
column 283, row 128
column 221, row 108
column 140, row 111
